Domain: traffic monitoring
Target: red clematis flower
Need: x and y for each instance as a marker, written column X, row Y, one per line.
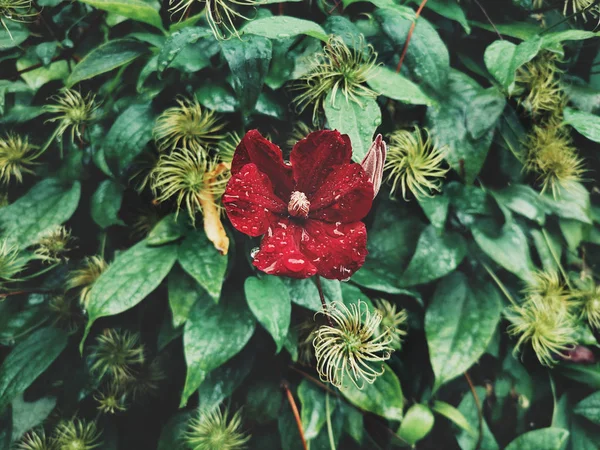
column 309, row 209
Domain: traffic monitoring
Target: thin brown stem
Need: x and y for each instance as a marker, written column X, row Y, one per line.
column 294, row 407
column 409, row 36
column 322, row 297
column 314, row 380
column 479, row 411
column 488, row 19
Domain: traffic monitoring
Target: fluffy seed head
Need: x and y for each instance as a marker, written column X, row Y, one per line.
column 353, row 346
column 111, row 399
column 187, row 176
column 16, row 11
column 66, row 312
column 85, row 276
column 549, row 286
column 588, row 301
column 338, row 69
column 17, row 156
column 54, row 245
column 187, row 125
column 414, row 164
column 299, row 131
column 118, row 354
column 77, row 435
column 393, row 320
column 550, row 330
column 552, row 157
column 226, row 147
column 35, row 440
column 582, row 8
column 10, row 262
column 214, row 430
column 72, row 111
column 538, row 85
column 147, row 380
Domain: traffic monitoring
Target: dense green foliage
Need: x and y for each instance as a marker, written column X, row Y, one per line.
column 131, row 316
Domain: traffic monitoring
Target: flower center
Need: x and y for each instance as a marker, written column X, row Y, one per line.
column 298, row 205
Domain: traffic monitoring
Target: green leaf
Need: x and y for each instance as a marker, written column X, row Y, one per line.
column 17, row 319
column 249, row 61
column 449, row 9
column 106, row 203
column 170, row 437
column 484, row 112
column 395, row 86
column 175, row 43
column 214, row 333
column 447, row 124
column 359, row 122
column 282, row 27
column 436, row 209
column 454, row 415
column 427, row 58
column 417, row 424
column 28, row 360
column 313, row 409
column 184, row 293
column 503, row 58
column 48, row 203
column 523, row 200
column 268, row 300
column 18, row 34
column 470, row 411
column 459, row 324
column 36, row 78
column 384, row 397
column 128, row 136
column 169, row 229
column 508, row 248
column 217, row 97
column 303, row 292
column 571, row 203
column 199, row 257
column 542, row 439
column 27, row 415
column 146, row 11
column 105, row 58
column 130, row 278
column 585, row 123
column 589, row 408
column 589, row 374
column 436, row 256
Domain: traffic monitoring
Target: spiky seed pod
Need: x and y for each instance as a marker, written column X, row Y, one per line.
column 353, row 346
column 118, row 354
column 54, row 245
column 77, row 435
column 16, row 11
column 338, row 69
column 226, row 147
column 17, row 156
column 550, row 330
column 549, row 286
column 552, row 157
column 35, row 440
column 214, row 430
column 187, row 176
column 588, row 300
column 187, row 125
column 307, row 331
column 393, row 320
column 72, row 111
column 111, row 399
column 581, row 8
column 220, row 14
column 147, row 380
column 84, row 277
column 414, row 164
column 66, row 311
column 11, row 263
column 538, row 86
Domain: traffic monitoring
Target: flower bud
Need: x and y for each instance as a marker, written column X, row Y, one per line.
column 373, row 162
column 579, row 355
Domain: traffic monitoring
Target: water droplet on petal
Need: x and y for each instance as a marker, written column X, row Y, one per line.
column 294, row 264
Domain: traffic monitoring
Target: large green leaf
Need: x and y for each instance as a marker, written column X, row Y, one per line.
column 28, row 360
column 358, row 121
column 18, row 34
column 105, row 58
column 383, row 397
column 129, row 279
column 471, row 441
column 589, row 408
column 199, row 257
column 427, row 57
column 585, row 123
column 417, row 424
column 47, row 204
column 387, row 82
column 313, row 410
column 184, row 293
column 27, row 415
column 249, row 61
column 436, row 256
column 459, row 324
column 449, row 9
column 542, row 439
column 282, row 27
column 106, row 203
column 270, row 303
column 303, row 292
column 145, row 11
column 177, row 42
column 213, row 334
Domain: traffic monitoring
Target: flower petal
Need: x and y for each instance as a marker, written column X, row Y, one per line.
column 250, row 202
column 345, row 196
column 337, row 250
column 254, row 148
column 316, row 156
column 280, row 252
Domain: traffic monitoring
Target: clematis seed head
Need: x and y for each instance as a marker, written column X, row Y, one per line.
column 17, row 156
column 77, row 435
column 352, row 346
column 72, row 111
column 11, row 263
column 16, row 11
column 54, row 245
column 84, row 277
column 588, row 301
column 215, row 430
column 111, row 399
column 117, row 354
column 392, row 319
column 35, row 440
column 187, row 125
column 581, row 8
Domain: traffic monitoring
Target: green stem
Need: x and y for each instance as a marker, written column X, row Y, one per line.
column 567, row 18
column 500, row 284
column 329, row 427
column 556, row 258
column 41, row 272
column 322, row 297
